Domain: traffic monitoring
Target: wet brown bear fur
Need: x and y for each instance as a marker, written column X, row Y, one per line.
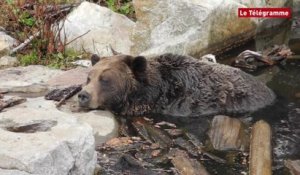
column 172, row 85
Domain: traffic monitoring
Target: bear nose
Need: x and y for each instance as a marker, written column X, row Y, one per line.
column 84, row 98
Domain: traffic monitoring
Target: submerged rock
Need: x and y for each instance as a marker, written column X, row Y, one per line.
column 40, row 140
column 228, row 134
column 94, row 29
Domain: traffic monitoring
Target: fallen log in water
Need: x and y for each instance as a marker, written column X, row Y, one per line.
column 187, row 166
column 293, row 166
column 251, row 60
column 260, row 149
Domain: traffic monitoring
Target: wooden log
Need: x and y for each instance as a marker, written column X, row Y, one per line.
column 187, row 166
column 260, row 149
column 293, row 166
column 228, row 133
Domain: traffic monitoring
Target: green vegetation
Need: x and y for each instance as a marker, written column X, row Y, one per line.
column 56, row 60
column 124, row 7
column 25, row 18
column 24, row 21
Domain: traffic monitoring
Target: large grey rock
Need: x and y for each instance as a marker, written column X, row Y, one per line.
column 294, row 36
column 271, row 31
column 26, row 79
column 13, row 172
column 8, row 61
column 43, row 141
column 296, row 5
column 68, row 78
column 103, row 123
column 265, row 3
column 228, row 134
column 193, row 27
column 100, row 28
column 198, row 27
column 6, row 43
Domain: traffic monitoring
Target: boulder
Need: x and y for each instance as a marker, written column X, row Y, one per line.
column 228, row 134
column 198, row 27
column 13, row 172
column 296, row 5
column 68, row 78
column 269, row 31
column 193, row 27
column 95, row 29
column 294, row 36
column 40, row 140
column 30, row 79
column 8, row 61
column 6, row 43
column 103, row 123
column 265, row 3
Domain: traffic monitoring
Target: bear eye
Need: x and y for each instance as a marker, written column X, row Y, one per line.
column 104, row 80
column 88, row 80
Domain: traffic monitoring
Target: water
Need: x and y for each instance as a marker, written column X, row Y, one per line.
column 283, row 115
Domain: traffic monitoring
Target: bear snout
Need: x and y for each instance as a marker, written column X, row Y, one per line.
column 84, row 98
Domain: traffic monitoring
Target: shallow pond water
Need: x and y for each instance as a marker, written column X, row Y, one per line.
column 283, row 115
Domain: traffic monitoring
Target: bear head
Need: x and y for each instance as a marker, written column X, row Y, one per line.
column 111, row 80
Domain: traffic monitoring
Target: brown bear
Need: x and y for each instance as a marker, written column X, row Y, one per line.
column 171, row 85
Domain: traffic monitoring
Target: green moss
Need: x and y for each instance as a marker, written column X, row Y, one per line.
column 31, row 58
column 64, row 60
column 57, row 60
column 124, row 7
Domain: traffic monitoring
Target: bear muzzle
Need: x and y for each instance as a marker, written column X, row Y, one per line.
column 84, row 99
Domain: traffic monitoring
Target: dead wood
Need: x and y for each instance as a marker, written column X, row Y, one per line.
column 251, row 60
column 186, row 165
column 61, row 95
column 11, row 102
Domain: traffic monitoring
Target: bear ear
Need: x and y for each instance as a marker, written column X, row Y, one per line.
column 95, row 59
column 138, row 65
